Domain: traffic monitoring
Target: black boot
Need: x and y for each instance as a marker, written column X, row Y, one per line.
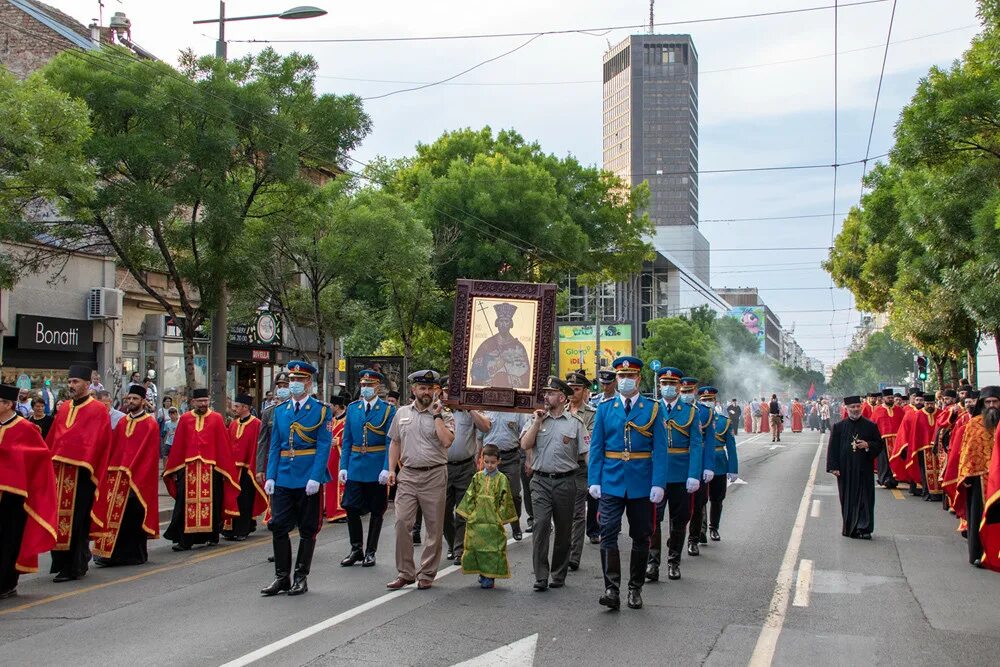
column 282, row 568
column 302, row 562
column 356, row 556
column 675, row 545
column 374, row 530
column 693, row 549
column 611, row 563
column 703, row 537
column 636, row 577
column 653, row 561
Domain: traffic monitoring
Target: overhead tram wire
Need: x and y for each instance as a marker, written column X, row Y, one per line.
column 833, row 210
column 566, row 31
column 107, row 66
column 878, row 93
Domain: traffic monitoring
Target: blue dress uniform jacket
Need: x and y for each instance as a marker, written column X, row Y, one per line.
column 725, row 446
column 627, row 454
column 364, row 451
column 681, row 430
column 300, row 444
column 706, row 416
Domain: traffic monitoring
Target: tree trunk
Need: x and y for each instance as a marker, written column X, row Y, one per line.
column 220, row 340
column 953, row 366
column 189, row 335
column 971, row 365
column 320, row 347
column 938, row 369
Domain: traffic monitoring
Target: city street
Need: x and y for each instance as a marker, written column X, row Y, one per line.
column 782, row 587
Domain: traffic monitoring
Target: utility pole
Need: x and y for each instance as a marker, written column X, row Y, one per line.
column 599, row 312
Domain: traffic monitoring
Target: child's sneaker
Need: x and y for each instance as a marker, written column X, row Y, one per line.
column 485, row 582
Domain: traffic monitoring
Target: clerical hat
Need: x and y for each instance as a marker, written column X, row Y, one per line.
column 137, row 390
column 991, row 391
column 80, row 372
column 199, row 392
column 9, row 393
column 887, row 392
column 244, row 399
column 852, row 400
column 951, row 393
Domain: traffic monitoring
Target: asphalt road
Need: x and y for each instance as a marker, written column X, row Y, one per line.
column 782, row 587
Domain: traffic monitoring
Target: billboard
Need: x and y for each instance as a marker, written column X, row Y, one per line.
column 755, row 321
column 577, row 343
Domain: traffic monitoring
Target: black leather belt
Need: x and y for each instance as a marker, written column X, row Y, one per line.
column 422, row 468
column 462, row 462
column 554, row 475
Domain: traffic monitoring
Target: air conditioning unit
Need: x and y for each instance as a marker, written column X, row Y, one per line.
column 104, row 303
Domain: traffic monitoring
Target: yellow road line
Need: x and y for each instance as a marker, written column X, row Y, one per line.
column 135, row 577
column 897, row 494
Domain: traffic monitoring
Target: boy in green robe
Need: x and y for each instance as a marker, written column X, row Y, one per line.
column 487, row 506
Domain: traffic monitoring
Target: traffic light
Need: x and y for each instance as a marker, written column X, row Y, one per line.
column 922, row 368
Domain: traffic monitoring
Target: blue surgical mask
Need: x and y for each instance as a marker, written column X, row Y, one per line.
column 297, row 388
column 368, row 393
column 687, row 398
column 668, row 391
column 708, row 404
column 627, row 385
column 282, row 392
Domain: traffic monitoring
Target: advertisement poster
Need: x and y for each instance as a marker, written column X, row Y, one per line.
column 577, row 343
column 753, row 318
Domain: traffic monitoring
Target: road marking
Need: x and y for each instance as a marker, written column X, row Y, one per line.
column 814, row 513
column 142, row 575
column 751, row 439
column 774, row 447
column 897, row 494
column 516, row 654
column 804, row 584
column 333, row 621
column 767, row 641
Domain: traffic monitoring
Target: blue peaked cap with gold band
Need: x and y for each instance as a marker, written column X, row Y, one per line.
column 300, row 369
column 670, row 374
column 708, row 391
column 689, row 383
column 627, row 364
column 369, row 374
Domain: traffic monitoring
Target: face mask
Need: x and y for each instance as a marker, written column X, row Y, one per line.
column 297, row 388
column 283, row 392
column 687, row 398
column 368, row 393
column 668, row 391
column 708, row 404
column 627, row 385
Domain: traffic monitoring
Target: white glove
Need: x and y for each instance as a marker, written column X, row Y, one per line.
column 595, row 491
column 383, row 477
column 656, row 495
column 342, row 476
column 732, row 477
column 708, row 475
column 312, row 487
column 692, row 485
column 269, row 487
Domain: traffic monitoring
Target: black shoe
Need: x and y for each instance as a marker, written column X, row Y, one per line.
column 965, row 534
column 714, row 534
column 573, row 567
column 450, row 555
column 673, row 571
column 557, row 584
column 865, row 536
column 63, row 576
column 634, row 600
column 354, row 557
column 610, row 599
column 978, row 563
column 180, row 547
column 270, row 559
column 369, row 560
column 516, row 534
column 100, row 561
column 280, row 584
column 299, row 586
column 652, row 572
column 541, row 586
column 416, row 538
column 457, row 561
column 12, row 593
column 595, row 539
column 693, row 549
column 703, row 539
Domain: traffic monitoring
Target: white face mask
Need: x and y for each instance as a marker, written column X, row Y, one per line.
column 368, row 393
column 668, row 391
column 297, row 388
column 687, row 398
column 282, row 392
column 627, row 385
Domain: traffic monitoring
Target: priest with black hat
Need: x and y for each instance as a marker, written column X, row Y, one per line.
column 854, row 447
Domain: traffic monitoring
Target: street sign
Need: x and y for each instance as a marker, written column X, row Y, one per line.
column 654, row 365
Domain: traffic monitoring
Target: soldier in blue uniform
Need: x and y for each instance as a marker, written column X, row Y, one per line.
column 627, row 473
column 296, row 469
column 706, row 417
column 678, row 425
column 726, row 465
column 364, row 466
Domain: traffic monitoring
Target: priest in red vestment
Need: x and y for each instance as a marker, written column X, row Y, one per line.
column 252, row 501
column 747, row 418
column 989, row 528
column 129, row 503
column 798, row 414
column 974, row 467
column 334, row 490
column 901, row 449
column 923, row 463
column 27, row 494
column 80, row 442
column 869, row 404
column 201, row 476
column 949, row 479
column 888, row 418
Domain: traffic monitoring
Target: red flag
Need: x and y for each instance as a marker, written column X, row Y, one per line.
column 812, row 391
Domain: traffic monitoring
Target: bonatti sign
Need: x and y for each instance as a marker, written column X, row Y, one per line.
column 54, row 334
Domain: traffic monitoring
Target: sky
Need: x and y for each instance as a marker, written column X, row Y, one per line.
column 768, row 96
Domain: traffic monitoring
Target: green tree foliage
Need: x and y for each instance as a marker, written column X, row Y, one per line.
column 883, row 359
column 679, row 342
column 42, row 165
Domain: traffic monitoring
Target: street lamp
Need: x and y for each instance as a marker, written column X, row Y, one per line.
column 295, row 13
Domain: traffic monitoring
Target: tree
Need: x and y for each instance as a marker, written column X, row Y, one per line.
column 883, row 359
column 679, row 342
column 42, row 164
column 184, row 160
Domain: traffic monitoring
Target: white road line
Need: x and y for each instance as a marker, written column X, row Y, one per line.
column 804, row 584
column 767, row 641
column 274, row 647
column 814, row 512
column 759, row 435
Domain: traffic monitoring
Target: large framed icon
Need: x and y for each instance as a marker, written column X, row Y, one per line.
column 502, row 343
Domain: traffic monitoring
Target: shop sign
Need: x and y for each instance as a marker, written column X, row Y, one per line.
column 54, row 334
column 260, row 355
column 263, row 330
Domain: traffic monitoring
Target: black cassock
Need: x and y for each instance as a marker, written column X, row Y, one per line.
column 856, row 482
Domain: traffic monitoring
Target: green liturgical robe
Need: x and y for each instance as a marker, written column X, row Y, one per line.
column 487, row 506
